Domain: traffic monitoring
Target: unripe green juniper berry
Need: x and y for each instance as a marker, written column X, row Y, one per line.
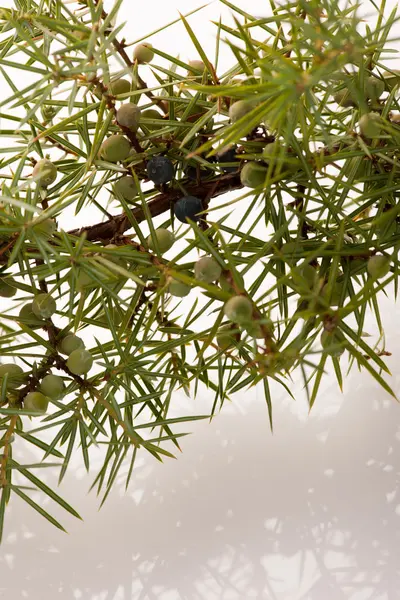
column 238, row 309
column 333, row 343
column 207, row 269
column 28, row 317
column 143, row 53
column 126, row 187
column 52, row 386
column 69, row 343
column 7, row 290
column 239, row 109
column 128, row 115
column 178, row 288
column 370, row 125
column 152, row 113
column 115, row 148
column 36, row 402
column 44, row 172
column 120, row 86
column 160, row 170
column 253, row 174
column 227, row 337
column 188, row 207
column 14, row 373
column 165, row 240
column 378, row 266
column 44, row 306
column 80, row 361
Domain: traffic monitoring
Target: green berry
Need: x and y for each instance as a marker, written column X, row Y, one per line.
column 115, row 148
column 335, row 295
column 253, row 174
column 227, row 337
column 374, row 88
column 36, row 402
column 370, row 125
column 309, row 273
column 143, row 53
column 275, row 154
column 127, row 188
column 378, row 266
column 178, row 288
column 52, row 386
column 207, row 269
column 84, row 280
column 129, row 116
column 28, row 317
column 153, row 114
column 120, row 86
column 69, row 343
column 239, row 109
column 259, row 330
column 333, row 343
column 80, row 362
column 44, row 172
column 44, row 306
column 197, row 64
column 343, row 98
column 238, row 309
column 14, row 373
column 7, row 290
column 45, row 228
column 165, row 240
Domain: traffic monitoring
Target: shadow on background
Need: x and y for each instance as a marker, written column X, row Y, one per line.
column 311, row 512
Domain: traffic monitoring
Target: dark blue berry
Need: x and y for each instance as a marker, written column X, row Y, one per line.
column 188, row 207
column 160, row 170
column 228, row 156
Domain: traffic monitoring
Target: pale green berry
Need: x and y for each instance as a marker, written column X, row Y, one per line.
column 370, row 125
column 165, row 240
column 260, row 329
column 238, row 309
column 143, row 53
column 7, row 289
column 240, row 109
column 336, row 293
column 197, row 64
column 253, row 174
column 129, row 116
column 227, row 337
column 80, row 362
column 44, row 172
column 344, row 98
column 333, row 343
column 29, row 318
column 45, row 228
column 153, row 114
column 14, row 373
column 127, row 188
column 374, row 88
column 178, row 288
column 276, row 155
column 120, row 86
column 378, row 266
column 36, row 402
column 115, row 148
column 207, row 269
column 69, row 343
column 52, row 386
column 309, row 273
column 44, row 306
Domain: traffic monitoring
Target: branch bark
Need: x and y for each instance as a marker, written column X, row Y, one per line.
column 160, row 204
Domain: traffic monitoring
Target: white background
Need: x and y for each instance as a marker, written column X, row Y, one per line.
column 311, row 512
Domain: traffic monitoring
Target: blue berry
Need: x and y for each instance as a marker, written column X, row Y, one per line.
column 228, row 156
column 160, row 170
column 188, row 207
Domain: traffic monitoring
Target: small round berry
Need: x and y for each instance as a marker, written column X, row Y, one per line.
column 337, row 292
column 228, row 156
column 309, row 273
column 165, row 240
column 44, row 306
column 115, row 148
column 14, row 373
column 178, row 288
column 343, row 98
column 120, row 86
column 196, row 65
column 238, row 309
column 253, row 174
column 129, row 116
column 52, row 386
column 80, row 362
column 126, row 187
column 227, row 337
column 207, row 269
column 28, row 317
column 7, row 290
column 374, row 88
column 188, row 207
column 276, row 154
column 84, row 280
column 370, row 125
column 333, row 343
column 69, row 343
column 143, row 53
column 160, row 170
column 260, row 330
column 239, row 109
column 44, row 172
column 154, row 115
column 36, row 402
column 45, row 228
column 378, row 266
